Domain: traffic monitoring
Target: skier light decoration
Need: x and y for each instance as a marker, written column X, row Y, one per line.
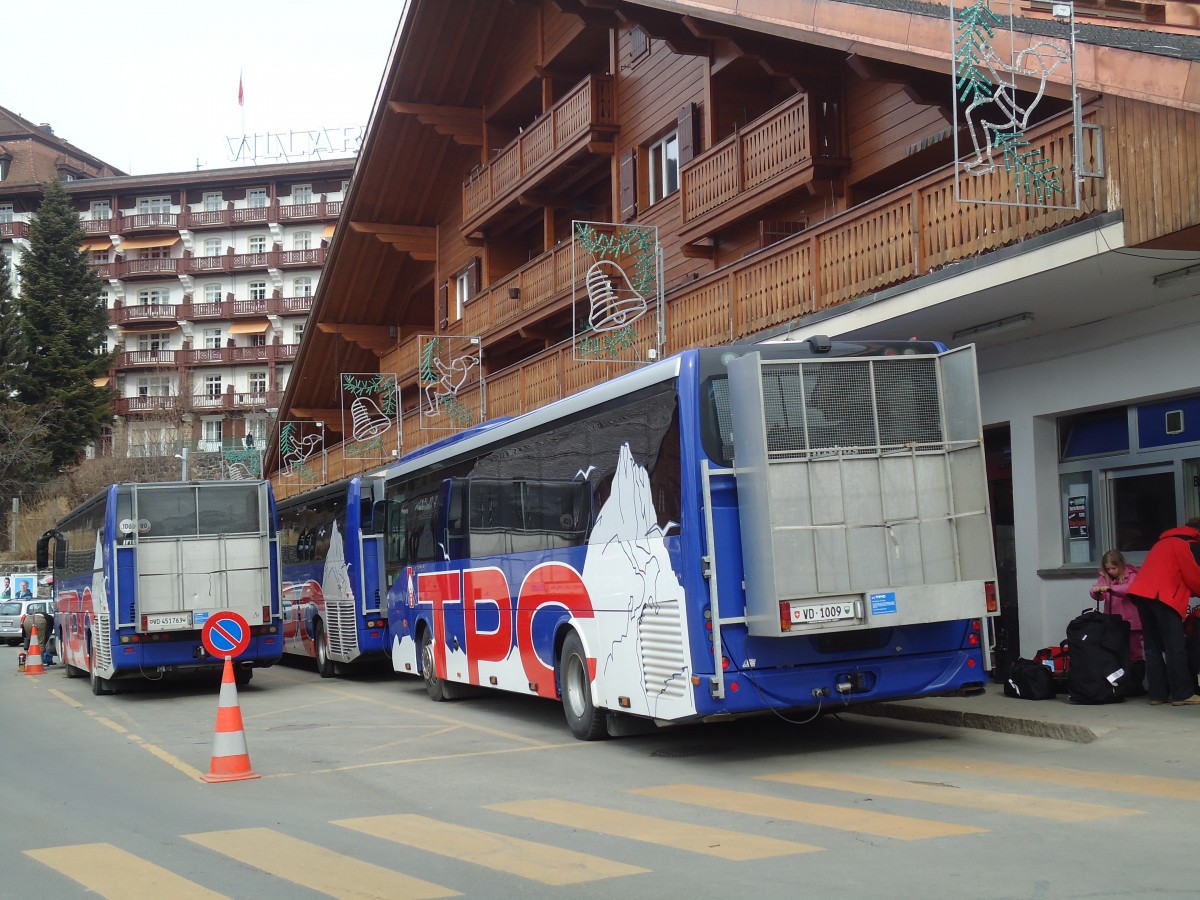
column 996, row 113
column 301, row 452
column 451, row 382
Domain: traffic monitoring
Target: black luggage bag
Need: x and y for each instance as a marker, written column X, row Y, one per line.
column 1098, row 644
column 1029, row 680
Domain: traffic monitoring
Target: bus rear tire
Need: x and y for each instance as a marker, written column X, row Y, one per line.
column 585, row 721
column 242, row 675
column 325, row 666
column 434, row 686
column 70, row 670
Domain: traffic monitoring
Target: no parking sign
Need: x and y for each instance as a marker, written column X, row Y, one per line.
column 226, row 634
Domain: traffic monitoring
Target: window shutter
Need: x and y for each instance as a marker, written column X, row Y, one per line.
column 443, row 305
column 628, row 175
column 689, row 132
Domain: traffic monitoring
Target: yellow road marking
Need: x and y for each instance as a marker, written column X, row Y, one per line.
column 719, row 842
column 70, row 701
column 904, row 828
column 317, row 868
column 527, row 859
column 111, row 872
column 995, row 801
column 173, row 761
column 1148, row 785
column 109, row 723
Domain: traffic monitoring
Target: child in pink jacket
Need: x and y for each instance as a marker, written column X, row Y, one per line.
column 1111, row 587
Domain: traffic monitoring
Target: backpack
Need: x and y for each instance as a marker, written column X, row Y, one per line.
column 1098, row 644
column 1029, row 680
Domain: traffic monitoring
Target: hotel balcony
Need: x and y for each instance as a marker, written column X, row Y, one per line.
column 143, row 405
column 105, row 225
column 232, row 309
column 149, row 268
column 144, row 314
column 757, row 165
column 568, row 139
column 274, row 214
column 143, row 358
column 149, row 222
column 13, row 230
column 213, row 356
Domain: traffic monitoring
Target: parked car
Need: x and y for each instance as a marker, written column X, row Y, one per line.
column 12, row 617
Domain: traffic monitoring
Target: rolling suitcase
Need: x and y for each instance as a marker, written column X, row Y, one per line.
column 1098, row 645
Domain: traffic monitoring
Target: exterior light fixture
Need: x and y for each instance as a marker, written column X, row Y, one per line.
column 1178, row 275
column 1011, row 323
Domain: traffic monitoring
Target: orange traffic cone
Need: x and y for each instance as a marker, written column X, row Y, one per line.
column 230, row 759
column 33, row 665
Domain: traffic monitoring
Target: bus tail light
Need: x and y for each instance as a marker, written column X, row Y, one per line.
column 785, row 615
column 975, row 633
column 989, row 593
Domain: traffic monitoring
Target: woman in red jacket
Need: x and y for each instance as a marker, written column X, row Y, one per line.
column 1164, row 586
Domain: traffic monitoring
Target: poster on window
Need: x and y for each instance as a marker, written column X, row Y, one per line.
column 1077, row 517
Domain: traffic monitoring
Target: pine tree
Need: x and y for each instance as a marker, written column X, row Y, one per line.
column 12, row 338
column 64, row 321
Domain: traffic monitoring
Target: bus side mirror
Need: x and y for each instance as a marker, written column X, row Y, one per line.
column 43, row 550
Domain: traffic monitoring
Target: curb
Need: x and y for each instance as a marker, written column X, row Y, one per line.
column 1059, row 731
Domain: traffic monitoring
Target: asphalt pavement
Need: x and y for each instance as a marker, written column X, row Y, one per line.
column 1058, row 718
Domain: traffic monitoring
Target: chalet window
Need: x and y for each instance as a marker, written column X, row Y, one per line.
column 101, row 209
column 258, row 290
column 212, row 338
column 6, row 212
column 302, row 287
column 639, row 43
column 663, row 165
column 212, row 246
column 213, row 293
column 257, row 382
column 302, row 240
column 466, row 286
column 213, row 201
column 628, row 176
column 297, row 333
column 302, row 193
column 99, row 257
column 258, row 340
column 257, row 243
column 256, row 198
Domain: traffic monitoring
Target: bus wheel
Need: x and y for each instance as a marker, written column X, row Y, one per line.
column 242, row 675
column 70, row 670
column 325, row 666
column 586, row 722
column 100, row 686
column 434, row 686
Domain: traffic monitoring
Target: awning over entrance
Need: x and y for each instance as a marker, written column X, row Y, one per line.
column 250, row 326
column 145, row 243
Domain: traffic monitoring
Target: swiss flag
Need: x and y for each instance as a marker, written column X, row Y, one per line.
column 241, row 96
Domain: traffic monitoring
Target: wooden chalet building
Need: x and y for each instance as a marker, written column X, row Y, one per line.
column 797, row 158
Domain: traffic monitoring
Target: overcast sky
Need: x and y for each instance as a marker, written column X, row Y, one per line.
column 152, row 87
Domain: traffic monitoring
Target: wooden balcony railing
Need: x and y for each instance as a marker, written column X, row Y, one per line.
column 274, row 212
column 159, row 266
column 145, row 312
column 14, row 229
column 99, row 226
column 223, row 402
column 124, row 406
column 590, row 105
column 158, row 221
column 771, row 156
column 130, row 358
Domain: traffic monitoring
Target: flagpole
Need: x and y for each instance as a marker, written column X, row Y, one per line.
column 242, row 105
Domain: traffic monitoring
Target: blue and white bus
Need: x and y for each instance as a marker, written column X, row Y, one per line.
column 333, row 587
column 787, row 526
column 139, row 568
